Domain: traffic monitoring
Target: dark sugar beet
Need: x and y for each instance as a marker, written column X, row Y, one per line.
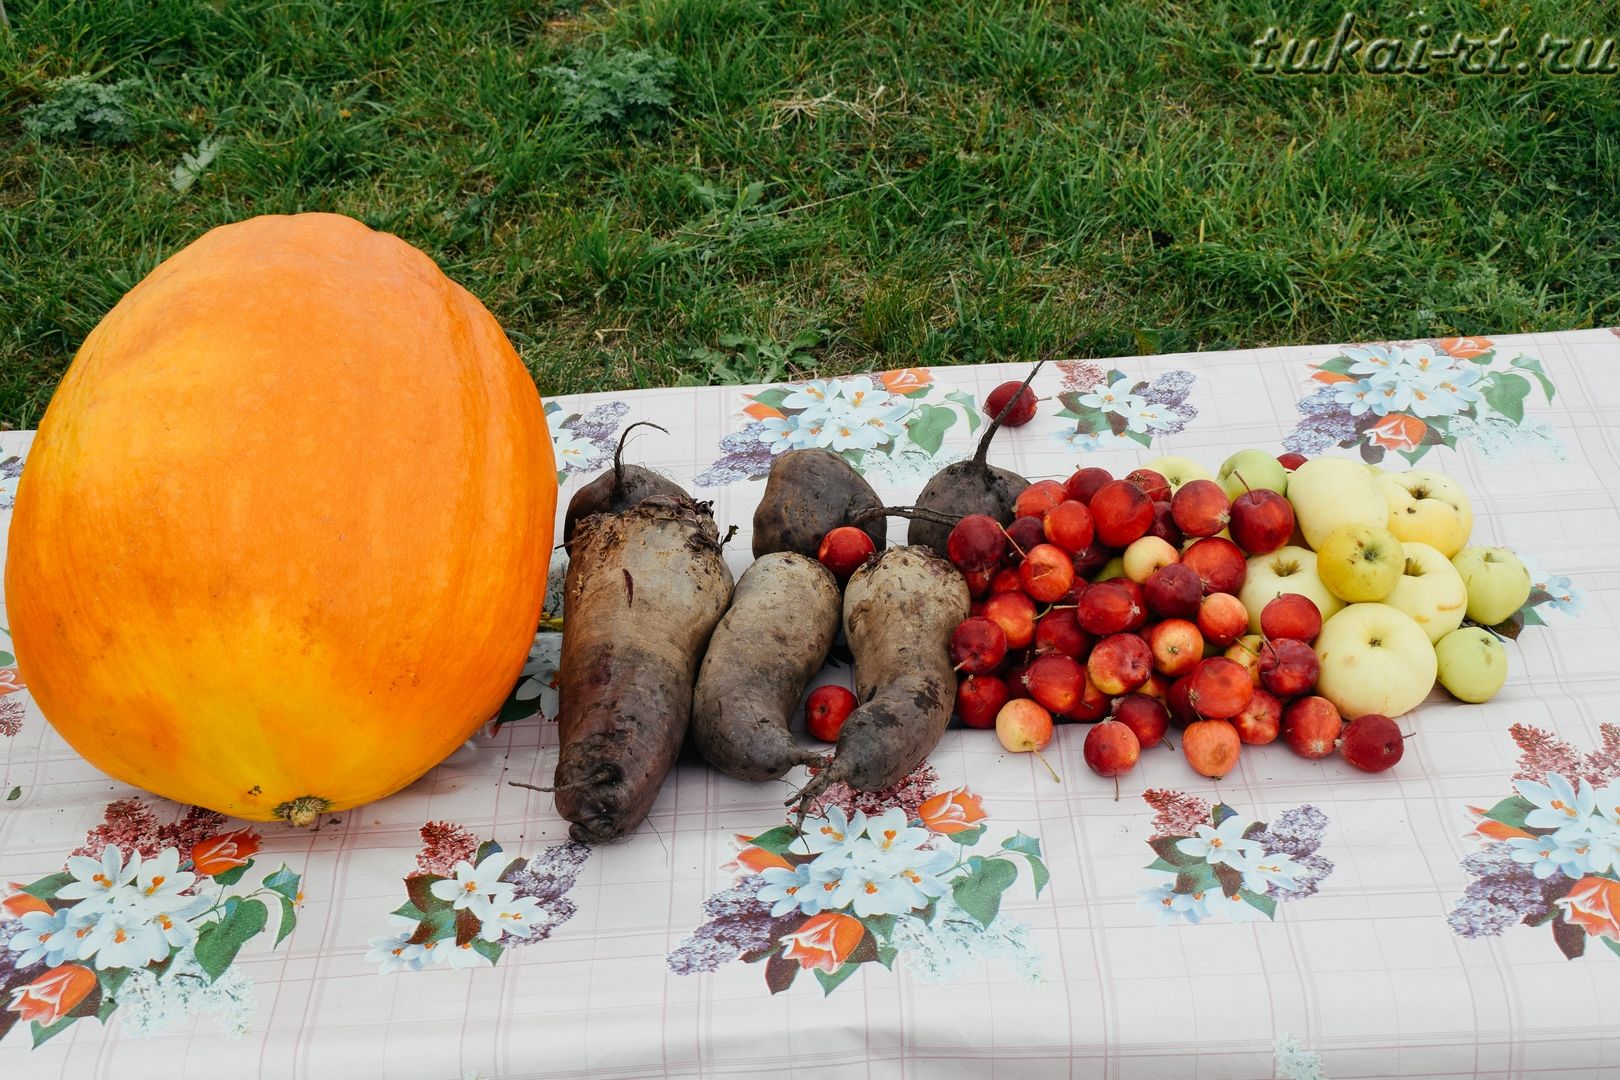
column 969, row 487
column 810, row 493
column 644, row 591
column 618, row 488
column 899, row 612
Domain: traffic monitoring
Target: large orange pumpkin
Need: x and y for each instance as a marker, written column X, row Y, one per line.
column 281, row 542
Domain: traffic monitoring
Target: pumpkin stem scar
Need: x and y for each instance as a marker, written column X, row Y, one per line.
column 303, row 811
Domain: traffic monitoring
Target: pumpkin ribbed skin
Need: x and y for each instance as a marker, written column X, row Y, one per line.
column 284, row 531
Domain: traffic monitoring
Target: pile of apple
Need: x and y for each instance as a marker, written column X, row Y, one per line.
column 1277, row 599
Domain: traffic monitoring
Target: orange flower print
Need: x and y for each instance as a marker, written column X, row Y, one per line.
column 953, row 811
column 905, row 380
column 218, row 854
column 20, row 903
column 1398, row 431
column 824, row 941
column 1466, row 348
column 10, row 681
column 761, row 411
column 753, row 860
column 1594, row 905
column 1332, row 377
column 53, row 995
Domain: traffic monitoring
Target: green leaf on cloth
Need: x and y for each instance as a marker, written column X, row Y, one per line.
column 1533, row 366
column 1506, row 393
column 218, row 943
column 978, row 892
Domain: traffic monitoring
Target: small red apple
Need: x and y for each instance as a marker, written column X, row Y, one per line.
column 1119, row 664
column 978, row 645
column 1220, row 688
column 1120, row 513
column 1212, row 747
column 1153, row 484
column 1111, row 748
column 1035, row 500
column 1288, row 667
column 1262, row 521
column 1024, row 727
column 1087, row 482
column 1177, row 645
column 1223, row 618
column 1056, row 681
column 1046, row 572
column 825, row 711
column 1059, row 631
column 1291, row 615
column 843, row 550
column 1201, row 508
column 1106, row 608
column 976, row 543
column 1372, row 743
column 978, row 700
column 1021, row 398
column 1311, row 726
column 1260, row 720
column 1174, row 591
column 1015, row 613
column 1144, row 715
column 1068, row 525
column 1218, row 562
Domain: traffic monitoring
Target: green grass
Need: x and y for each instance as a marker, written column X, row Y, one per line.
column 913, row 181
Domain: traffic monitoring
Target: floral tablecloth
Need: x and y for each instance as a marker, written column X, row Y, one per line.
column 1458, row 916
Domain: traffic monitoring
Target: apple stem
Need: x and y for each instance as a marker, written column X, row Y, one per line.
column 1242, row 481
column 1168, row 743
column 1039, row 757
column 1116, row 787
column 1022, row 554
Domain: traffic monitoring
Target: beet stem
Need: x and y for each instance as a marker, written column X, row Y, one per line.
column 618, row 454
column 995, row 423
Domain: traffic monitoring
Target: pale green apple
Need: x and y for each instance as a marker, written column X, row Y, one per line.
column 1430, row 590
column 1428, row 507
column 1286, row 570
column 1329, row 492
column 1360, row 563
column 1113, row 568
column 1178, row 470
column 1498, row 583
column 1374, row 659
column 1250, row 470
column 1472, row 663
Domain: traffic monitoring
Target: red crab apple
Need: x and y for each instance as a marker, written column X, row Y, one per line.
column 1144, row 715
column 1220, row 688
column 1291, row 615
column 1035, row 500
column 978, row 645
column 1211, row 747
column 1291, row 460
column 1311, row 726
column 1056, row 681
column 1222, row 618
column 1015, row 613
column 1092, row 706
column 1068, row 525
column 1147, row 554
column 843, row 550
column 1059, row 631
column 1139, row 616
column 1164, row 525
column 979, row 698
column 1245, row 651
column 1111, row 748
column 1121, row 513
column 1024, row 727
column 1173, row 591
column 1179, row 701
column 826, row 710
column 1153, row 484
column 1006, row 580
column 1177, row 645
column 1260, row 719
column 976, row 543
column 1201, row 508
column 1262, row 521
column 978, row 582
column 1092, row 559
column 1020, row 396
column 1218, row 562
column 1087, row 482
column 1288, row 668
column 1047, row 572
column 1372, row 742
column 1023, row 534
column 1119, row 663
column 1105, row 608
column 1158, row 688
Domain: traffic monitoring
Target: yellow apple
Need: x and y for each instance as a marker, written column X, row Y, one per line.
column 1374, row 659
column 1178, row 470
column 1286, row 570
column 1146, row 554
column 1498, row 583
column 1430, row 590
column 1360, row 563
column 1428, row 507
column 1473, row 664
column 1329, row 492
